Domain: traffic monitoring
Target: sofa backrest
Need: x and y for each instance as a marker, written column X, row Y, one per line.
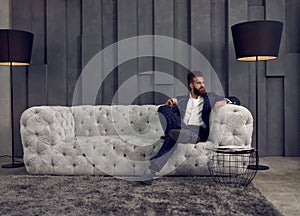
column 116, row 120
column 231, row 125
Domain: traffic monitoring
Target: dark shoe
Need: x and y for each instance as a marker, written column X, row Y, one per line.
column 147, row 182
column 183, row 136
column 147, row 177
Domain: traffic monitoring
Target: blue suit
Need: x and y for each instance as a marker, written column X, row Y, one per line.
column 172, row 118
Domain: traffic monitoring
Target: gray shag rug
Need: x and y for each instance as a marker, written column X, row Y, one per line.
column 97, row 195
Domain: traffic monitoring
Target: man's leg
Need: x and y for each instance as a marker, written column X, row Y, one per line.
column 172, row 125
column 188, row 134
column 169, row 121
column 158, row 161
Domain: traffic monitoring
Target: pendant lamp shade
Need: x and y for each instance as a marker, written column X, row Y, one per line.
column 15, row 47
column 257, row 40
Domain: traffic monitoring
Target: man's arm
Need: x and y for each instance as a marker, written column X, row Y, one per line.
column 177, row 104
column 219, row 104
column 172, row 102
column 218, row 101
column 224, row 101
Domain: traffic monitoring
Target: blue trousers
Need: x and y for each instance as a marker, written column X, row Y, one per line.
column 170, row 120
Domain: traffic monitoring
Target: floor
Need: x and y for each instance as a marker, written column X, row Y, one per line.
column 280, row 184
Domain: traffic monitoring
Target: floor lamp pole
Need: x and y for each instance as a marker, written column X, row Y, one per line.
column 257, row 167
column 13, row 163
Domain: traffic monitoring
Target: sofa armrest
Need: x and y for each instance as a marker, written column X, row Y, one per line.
column 45, row 126
column 231, row 125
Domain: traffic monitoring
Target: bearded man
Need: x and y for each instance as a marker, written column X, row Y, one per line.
column 185, row 119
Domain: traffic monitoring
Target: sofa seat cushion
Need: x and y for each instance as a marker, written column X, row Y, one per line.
column 116, row 156
column 111, row 155
column 125, row 146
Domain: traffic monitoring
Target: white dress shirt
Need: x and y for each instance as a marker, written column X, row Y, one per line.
column 194, row 111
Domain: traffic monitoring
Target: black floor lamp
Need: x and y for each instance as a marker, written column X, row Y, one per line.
column 15, row 50
column 257, row 41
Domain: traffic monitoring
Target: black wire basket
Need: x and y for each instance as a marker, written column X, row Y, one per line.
column 232, row 166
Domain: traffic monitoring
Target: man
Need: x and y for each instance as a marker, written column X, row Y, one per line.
column 185, row 119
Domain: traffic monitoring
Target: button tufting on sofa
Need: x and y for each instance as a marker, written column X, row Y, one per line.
column 84, row 136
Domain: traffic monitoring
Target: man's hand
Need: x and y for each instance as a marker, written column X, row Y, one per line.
column 219, row 104
column 172, row 102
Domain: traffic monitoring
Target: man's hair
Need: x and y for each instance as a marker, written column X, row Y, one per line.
column 192, row 75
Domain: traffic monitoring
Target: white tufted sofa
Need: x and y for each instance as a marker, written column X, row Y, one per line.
column 119, row 140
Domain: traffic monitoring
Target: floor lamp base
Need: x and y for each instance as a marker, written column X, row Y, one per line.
column 13, row 165
column 258, row 167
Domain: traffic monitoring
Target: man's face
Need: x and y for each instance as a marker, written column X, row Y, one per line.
column 197, row 86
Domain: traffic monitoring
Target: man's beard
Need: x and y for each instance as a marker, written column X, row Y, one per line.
column 199, row 92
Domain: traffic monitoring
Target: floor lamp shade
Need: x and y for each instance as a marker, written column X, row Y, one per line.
column 257, row 40
column 15, row 47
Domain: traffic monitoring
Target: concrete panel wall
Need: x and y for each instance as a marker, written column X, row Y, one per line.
column 5, row 126
column 69, row 33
